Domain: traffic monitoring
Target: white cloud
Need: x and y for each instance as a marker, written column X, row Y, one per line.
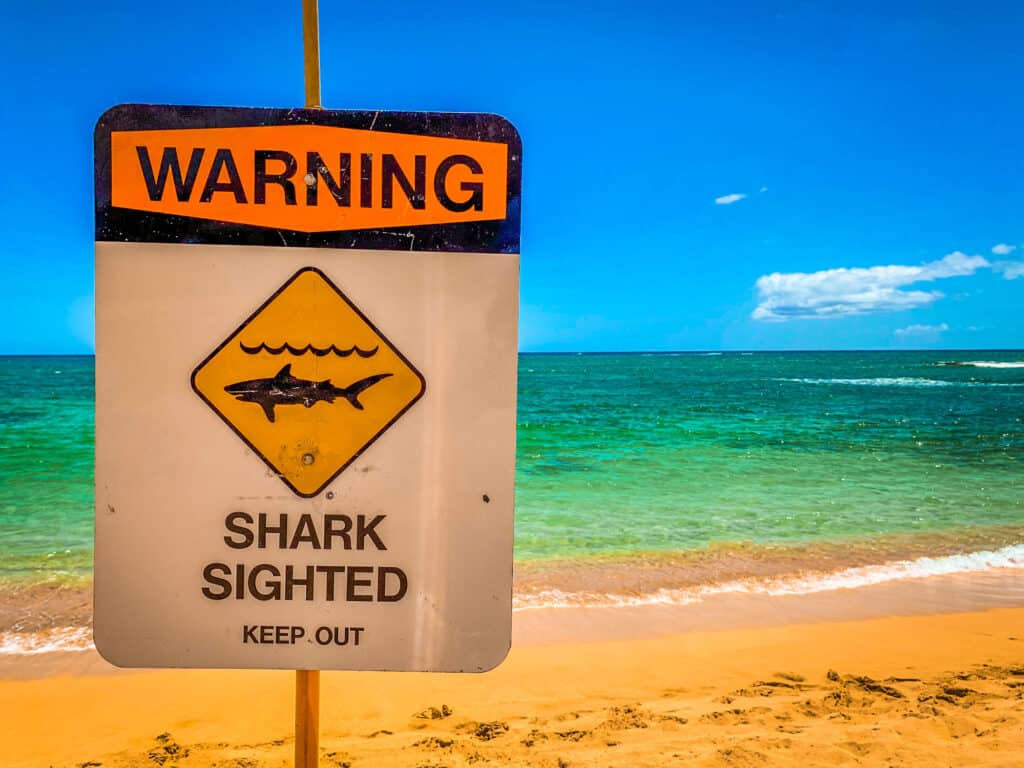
column 922, row 330
column 1011, row 270
column 735, row 197
column 1003, row 249
column 763, row 189
column 858, row 291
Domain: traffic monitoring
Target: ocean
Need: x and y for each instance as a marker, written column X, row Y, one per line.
column 640, row 477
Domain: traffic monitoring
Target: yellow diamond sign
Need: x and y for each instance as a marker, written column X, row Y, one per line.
column 308, row 382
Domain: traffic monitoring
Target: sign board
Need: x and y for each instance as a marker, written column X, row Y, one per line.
column 306, row 326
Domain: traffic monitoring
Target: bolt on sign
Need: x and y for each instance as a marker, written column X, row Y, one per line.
column 306, row 327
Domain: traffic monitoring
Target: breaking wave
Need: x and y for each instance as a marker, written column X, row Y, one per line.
column 1010, row 557
column 309, row 348
column 64, row 639
column 985, row 364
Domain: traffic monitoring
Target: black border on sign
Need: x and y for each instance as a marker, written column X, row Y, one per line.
column 128, row 225
column 365, row 319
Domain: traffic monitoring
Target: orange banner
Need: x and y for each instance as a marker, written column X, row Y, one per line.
column 309, row 178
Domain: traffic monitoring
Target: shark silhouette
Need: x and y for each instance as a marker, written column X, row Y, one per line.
column 285, row 389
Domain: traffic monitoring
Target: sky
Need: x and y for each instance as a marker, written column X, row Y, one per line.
column 712, row 176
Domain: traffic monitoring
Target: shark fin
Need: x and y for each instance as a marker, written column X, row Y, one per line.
column 284, row 373
column 268, row 408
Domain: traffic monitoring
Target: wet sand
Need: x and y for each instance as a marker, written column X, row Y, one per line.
column 824, row 680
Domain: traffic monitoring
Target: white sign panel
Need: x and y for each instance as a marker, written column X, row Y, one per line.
column 306, row 332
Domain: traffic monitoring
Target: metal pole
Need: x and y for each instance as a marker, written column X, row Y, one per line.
column 311, row 44
column 307, row 681
column 307, row 718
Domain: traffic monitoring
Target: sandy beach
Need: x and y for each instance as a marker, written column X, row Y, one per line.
column 806, row 688
column 668, row 608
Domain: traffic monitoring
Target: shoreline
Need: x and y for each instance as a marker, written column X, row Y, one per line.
column 663, row 589
column 925, row 596
column 951, row 593
column 911, row 690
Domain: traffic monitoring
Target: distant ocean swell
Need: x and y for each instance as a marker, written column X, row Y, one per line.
column 904, row 381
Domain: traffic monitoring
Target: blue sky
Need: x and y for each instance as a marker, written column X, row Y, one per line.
column 877, row 146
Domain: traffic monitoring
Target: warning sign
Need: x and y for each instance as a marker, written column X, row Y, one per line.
column 308, row 382
column 306, row 334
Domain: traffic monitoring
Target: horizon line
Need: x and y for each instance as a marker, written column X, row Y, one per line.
column 650, row 351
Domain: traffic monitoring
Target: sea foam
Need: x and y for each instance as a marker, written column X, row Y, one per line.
column 65, row 639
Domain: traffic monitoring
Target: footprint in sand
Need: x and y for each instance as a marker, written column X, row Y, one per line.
column 873, row 686
column 791, row 677
column 738, row 757
column 734, row 716
column 574, row 735
column 533, row 737
column 434, row 742
column 166, row 749
column 485, row 731
column 772, row 687
column 433, row 713
column 623, row 718
column 339, row 760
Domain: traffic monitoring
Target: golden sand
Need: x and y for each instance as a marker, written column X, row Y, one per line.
column 936, row 690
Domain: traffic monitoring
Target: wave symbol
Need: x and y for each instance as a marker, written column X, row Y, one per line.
column 318, row 351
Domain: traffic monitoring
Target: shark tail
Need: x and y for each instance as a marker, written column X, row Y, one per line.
column 352, row 392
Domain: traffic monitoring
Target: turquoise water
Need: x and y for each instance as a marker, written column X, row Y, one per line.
column 634, row 453
column 625, row 453
column 46, row 466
